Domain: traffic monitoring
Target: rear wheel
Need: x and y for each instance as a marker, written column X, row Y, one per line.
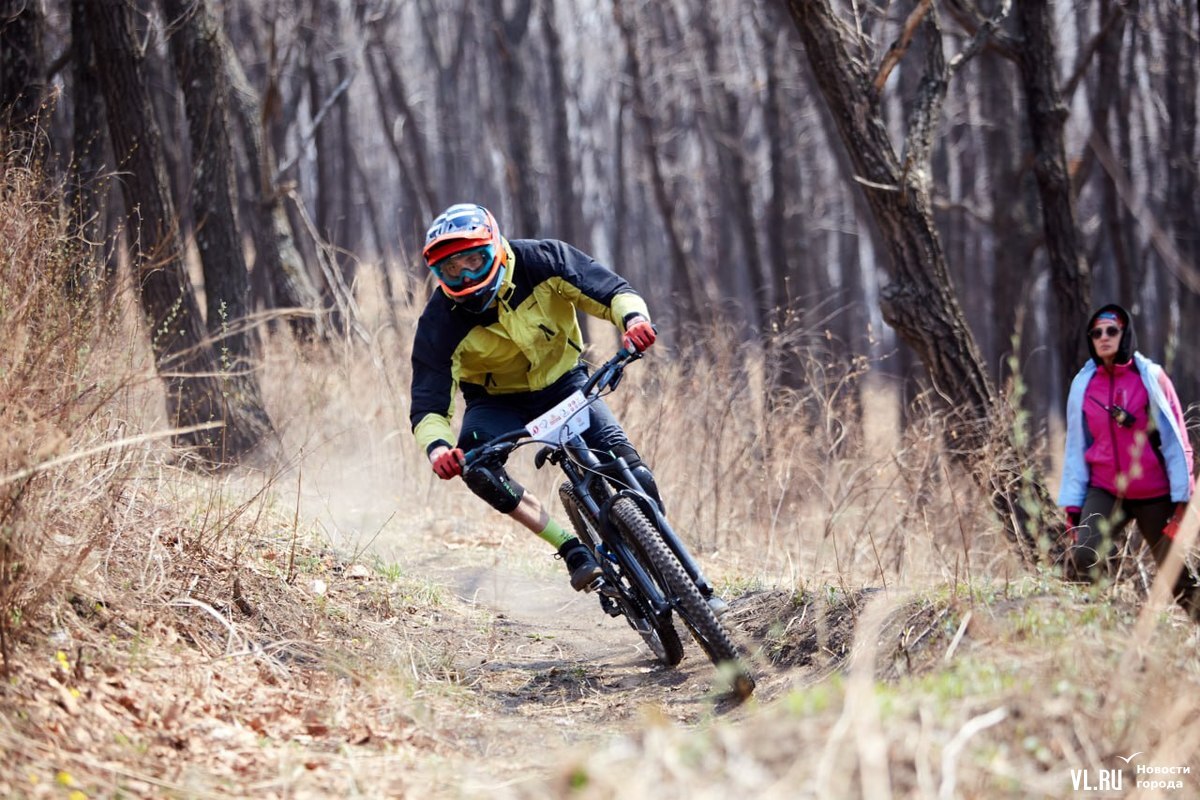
column 704, row 625
column 658, row 633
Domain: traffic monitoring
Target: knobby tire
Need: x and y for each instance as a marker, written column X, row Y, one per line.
column 704, row 625
column 662, row 638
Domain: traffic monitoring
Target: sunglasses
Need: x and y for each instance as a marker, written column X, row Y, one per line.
column 1096, row 333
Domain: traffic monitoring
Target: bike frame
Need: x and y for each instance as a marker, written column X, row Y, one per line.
column 586, row 472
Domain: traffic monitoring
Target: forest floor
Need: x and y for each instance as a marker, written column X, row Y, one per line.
column 471, row 670
column 273, row 665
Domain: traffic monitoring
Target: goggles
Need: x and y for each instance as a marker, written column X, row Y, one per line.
column 466, row 267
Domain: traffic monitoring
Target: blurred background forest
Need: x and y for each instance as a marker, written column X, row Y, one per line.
column 922, row 190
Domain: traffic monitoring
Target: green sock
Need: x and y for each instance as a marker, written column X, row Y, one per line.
column 555, row 535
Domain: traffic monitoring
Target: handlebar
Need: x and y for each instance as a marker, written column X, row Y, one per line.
column 607, row 377
column 611, row 372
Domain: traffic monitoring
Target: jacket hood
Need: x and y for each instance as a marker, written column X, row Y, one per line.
column 1128, row 345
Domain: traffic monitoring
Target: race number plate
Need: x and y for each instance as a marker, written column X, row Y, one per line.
column 569, row 418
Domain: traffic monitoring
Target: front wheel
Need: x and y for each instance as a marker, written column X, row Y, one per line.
column 658, row 633
column 704, row 625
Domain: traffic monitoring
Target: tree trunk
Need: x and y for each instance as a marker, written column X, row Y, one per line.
column 735, row 190
column 183, row 358
column 328, row 204
column 569, row 216
column 195, row 45
column 410, row 152
column 1183, row 186
column 918, row 302
column 685, row 278
column 87, row 189
column 508, row 34
column 781, row 258
column 277, row 262
column 1036, row 57
column 22, row 73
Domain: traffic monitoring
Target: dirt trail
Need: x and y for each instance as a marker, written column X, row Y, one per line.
column 545, row 672
column 553, row 673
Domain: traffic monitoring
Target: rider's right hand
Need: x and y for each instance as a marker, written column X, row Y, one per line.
column 447, row 462
column 639, row 335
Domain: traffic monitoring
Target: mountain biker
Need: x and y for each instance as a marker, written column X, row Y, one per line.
column 502, row 327
column 1127, row 453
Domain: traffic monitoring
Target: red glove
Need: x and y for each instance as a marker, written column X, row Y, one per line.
column 1073, row 516
column 639, row 335
column 1172, row 526
column 449, row 464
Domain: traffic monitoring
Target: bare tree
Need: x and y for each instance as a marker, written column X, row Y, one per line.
column 569, row 213
column 183, row 356
column 509, row 32
column 1038, row 62
column 734, row 188
column 1182, row 24
column 405, row 136
column 196, row 47
column 918, row 301
column 87, row 188
column 685, row 278
column 22, row 71
column 277, row 263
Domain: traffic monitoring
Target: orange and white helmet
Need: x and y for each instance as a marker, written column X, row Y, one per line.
column 466, row 237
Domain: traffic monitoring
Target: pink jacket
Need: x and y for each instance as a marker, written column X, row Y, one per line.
column 1120, row 458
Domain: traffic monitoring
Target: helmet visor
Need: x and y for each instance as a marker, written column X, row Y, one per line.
column 465, row 269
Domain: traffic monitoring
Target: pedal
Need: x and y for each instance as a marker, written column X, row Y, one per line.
column 609, row 606
column 596, row 585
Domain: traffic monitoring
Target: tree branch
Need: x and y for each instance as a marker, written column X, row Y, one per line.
column 1085, row 57
column 985, row 32
column 1176, row 264
column 316, row 123
column 972, row 19
column 927, row 107
column 899, row 47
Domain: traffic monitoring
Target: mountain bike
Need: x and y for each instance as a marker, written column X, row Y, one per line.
column 649, row 576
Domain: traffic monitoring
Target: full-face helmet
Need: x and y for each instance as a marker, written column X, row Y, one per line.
column 466, row 253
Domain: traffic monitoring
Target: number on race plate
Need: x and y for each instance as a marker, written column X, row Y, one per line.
column 569, row 418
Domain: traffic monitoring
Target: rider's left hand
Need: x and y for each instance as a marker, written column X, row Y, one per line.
column 639, row 335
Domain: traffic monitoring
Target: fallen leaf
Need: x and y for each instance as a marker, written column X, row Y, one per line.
column 66, row 698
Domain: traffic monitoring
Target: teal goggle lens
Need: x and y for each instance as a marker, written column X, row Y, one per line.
column 466, row 276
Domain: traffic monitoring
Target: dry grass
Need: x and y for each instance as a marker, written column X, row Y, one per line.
column 158, row 625
column 56, row 408
column 1017, row 693
column 263, row 632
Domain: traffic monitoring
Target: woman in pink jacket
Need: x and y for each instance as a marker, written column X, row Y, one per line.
column 1127, row 453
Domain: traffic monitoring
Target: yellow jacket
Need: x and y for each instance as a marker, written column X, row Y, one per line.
column 526, row 341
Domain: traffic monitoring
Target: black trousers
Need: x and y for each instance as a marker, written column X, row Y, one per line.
column 1102, row 520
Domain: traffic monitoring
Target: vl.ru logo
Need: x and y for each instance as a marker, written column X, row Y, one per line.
column 1147, row 776
column 1100, row 780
